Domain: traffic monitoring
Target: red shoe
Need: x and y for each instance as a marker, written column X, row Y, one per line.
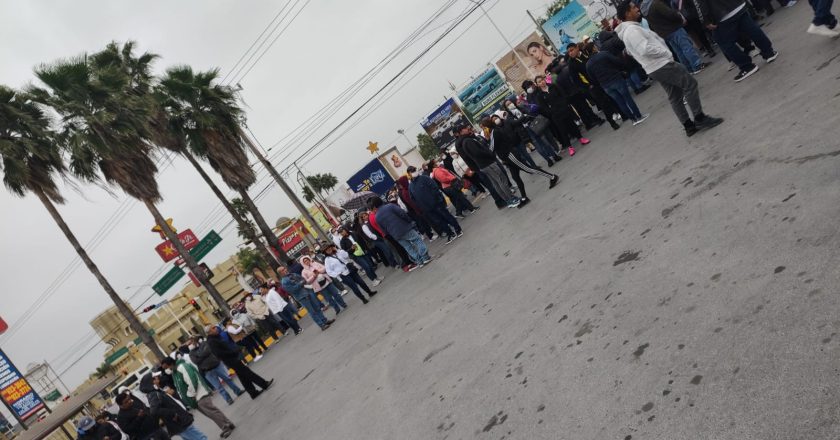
column 571, row 151
column 584, row 141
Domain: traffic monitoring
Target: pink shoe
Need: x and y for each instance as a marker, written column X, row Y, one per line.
column 584, row 141
column 571, row 151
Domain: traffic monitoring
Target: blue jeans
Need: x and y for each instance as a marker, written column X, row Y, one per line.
column 414, row 246
column 444, row 220
column 822, row 13
column 619, row 92
column 333, row 296
column 386, row 250
column 367, row 265
column 354, row 282
column 522, row 154
column 680, row 42
column 192, row 433
column 543, row 144
column 220, row 373
column 726, row 34
column 306, row 300
column 634, row 80
column 288, row 317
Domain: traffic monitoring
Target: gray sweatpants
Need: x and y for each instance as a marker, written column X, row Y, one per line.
column 497, row 177
column 208, row 408
column 677, row 83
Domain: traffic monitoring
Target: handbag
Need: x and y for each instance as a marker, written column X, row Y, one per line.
column 539, row 125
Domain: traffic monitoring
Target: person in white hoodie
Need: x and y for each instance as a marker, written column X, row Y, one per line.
column 651, row 51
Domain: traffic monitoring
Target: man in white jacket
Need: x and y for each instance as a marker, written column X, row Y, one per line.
column 279, row 307
column 651, row 51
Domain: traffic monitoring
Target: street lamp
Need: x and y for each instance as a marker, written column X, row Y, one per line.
column 402, row 132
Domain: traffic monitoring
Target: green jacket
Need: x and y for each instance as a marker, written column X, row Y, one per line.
column 192, row 387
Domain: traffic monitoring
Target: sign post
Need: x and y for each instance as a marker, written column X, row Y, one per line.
column 198, row 251
column 18, row 396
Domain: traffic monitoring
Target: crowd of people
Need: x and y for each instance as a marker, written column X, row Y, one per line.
column 592, row 83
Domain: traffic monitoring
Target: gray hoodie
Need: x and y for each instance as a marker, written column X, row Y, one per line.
column 649, row 49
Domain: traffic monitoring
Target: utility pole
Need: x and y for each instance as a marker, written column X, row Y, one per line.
column 283, row 185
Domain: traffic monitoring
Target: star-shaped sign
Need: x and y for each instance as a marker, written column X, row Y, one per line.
column 373, row 147
column 169, row 250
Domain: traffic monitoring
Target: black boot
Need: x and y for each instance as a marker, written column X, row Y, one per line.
column 690, row 128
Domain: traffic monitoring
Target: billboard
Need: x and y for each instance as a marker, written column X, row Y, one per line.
column 569, row 25
column 440, row 123
column 394, row 162
column 15, row 391
column 372, row 177
column 484, row 92
column 536, row 56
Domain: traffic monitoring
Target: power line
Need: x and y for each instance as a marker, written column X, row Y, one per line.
column 244, row 54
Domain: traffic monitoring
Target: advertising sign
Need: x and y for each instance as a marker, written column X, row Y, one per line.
column 569, row 25
column 291, row 239
column 440, row 123
column 167, row 250
column 372, row 177
column 533, row 53
column 15, row 391
column 484, row 92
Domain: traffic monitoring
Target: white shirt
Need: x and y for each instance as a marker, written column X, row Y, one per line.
column 335, row 267
column 648, row 48
column 368, row 232
column 275, row 302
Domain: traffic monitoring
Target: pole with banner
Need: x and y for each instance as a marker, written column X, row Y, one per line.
column 16, row 393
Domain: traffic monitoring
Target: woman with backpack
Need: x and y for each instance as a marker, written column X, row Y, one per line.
column 452, row 186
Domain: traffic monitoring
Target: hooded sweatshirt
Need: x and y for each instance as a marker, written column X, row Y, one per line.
column 662, row 18
column 136, row 425
column 405, row 195
column 315, row 274
column 645, row 46
column 162, row 406
column 189, row 383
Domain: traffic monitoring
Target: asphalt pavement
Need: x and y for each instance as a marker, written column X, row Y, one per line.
column 667, row 288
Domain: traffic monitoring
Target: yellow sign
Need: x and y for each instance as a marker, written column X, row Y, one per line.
column 159, row 229
column 373, row 147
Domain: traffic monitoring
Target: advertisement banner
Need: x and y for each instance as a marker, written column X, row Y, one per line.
column 372, row 177
column 479, row 97
column 440, row 123
column 394, row 162
column 167, row 250
column 533, row 53
column 15, row 391
column 570, row 25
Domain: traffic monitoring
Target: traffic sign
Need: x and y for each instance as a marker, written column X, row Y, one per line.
column 211, row 240
column 167, row 250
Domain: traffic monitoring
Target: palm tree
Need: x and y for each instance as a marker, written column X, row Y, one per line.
column 210, row 119
column 30, row 159
column 111, row 122
column 179, row 120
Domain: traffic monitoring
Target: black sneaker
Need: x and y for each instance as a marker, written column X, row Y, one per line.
column 557, row 158
column 269, row 384
column 742, row 75
column 690, row 128
column 706, row 122
column 449, row 239
column 772, row 58
column 550, row 163
column 553, row 182
column 522, row 202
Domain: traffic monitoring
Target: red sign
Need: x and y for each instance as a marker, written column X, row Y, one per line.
column 292, row 236
column 167, row 250
column 3, row 326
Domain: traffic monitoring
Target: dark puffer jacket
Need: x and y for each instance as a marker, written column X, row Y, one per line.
column 163, row 407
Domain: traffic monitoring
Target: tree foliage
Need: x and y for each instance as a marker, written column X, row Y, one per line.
column 322, row 183
column 553, row 9
column 248, row 260
column 426, row 145
column 242, row 210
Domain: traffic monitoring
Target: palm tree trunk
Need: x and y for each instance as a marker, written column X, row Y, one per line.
column 260, row 246
column 269, row 235
column 188, row 259
column 133, row 322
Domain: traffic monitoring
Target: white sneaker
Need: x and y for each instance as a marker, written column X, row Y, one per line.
column 376, row 282
column 257, row 358
column 344, row 292
column 790, row 4
column 642, row 119
column 822, row 30
column 434, row 237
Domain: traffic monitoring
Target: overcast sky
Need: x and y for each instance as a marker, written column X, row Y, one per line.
column 328, row 46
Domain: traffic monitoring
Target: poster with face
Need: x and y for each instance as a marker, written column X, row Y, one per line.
column 440, row 123
column 533, row 53
column 570, row 25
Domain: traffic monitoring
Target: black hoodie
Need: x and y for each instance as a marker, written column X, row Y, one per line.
column 163, row 407
column 135, row 425
column 475, row 152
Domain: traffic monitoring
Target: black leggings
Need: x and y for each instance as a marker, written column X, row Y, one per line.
column 354, row 281
column 514, row 165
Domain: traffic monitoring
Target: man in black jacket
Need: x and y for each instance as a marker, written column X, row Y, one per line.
column 576, row 95
column 727, row 19
column 135, row 419
column 163, row 407
column 427, row 195
column 212, row 369
column 501, row 202
column 555, row 105
column 232, row 358
column 607, row 71
column 476, row 152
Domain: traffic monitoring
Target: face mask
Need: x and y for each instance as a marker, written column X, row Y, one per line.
column 511, row 107
column 497, row 122
column 415, row 174
column 530, row 90
column 168, row 371
column 191, row 346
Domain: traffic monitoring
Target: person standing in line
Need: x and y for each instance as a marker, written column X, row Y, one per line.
column 135, row 420
column 485, row 180
column 352, row 247
column 242, row 329
column 407, row 264
column 607, row 71
column 233, row 359
column 550, row 99
column 177, row 420
column 669, row 24
column 195, row 393
column 470, row 145
column 824, row 22
column 212, row 369
column 452, row 186
column 377, row 241
column 427, row 195
column 727, row 19
column 280, row 308
column 396, row 223
column 295, row 285
column 424, row 225
column 316, row 276
column 90, row 429
column 258, row 310
column 502, row 137
column 339, row 266
column 653, row 54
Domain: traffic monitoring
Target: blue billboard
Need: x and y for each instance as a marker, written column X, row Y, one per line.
column 372, row 177
column 16, row 392
column 482, row 93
